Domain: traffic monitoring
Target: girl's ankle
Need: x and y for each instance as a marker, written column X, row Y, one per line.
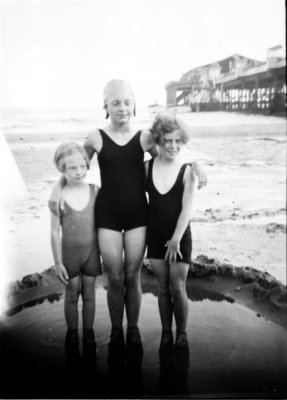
column 116, row 332
column 166, row 337
column 72, row 337
column 88, row 334
column 181, row 338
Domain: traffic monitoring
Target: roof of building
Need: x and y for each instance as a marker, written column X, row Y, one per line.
column 224, row 61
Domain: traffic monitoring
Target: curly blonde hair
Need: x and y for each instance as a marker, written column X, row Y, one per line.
column 167, row 124
column 67, row 149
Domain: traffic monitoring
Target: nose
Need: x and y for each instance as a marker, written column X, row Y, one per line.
column 123, row 106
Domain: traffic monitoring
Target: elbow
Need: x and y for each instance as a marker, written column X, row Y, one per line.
column 54, row 236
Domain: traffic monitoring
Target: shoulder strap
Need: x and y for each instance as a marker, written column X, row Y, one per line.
column 92, row 192
column 150, row 165
column 102, row 132
column 182, row 171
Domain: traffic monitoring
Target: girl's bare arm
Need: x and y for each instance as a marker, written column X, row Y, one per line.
column 93, row 143
column 54, row 200
column 56, row 248
column 183, row 220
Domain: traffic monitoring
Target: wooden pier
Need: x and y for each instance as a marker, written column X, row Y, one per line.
column 236, row 83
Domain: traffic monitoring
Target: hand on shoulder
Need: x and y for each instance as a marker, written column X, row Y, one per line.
column 148, row 144
column 198, row 171
column 146, row 139
column 95, row 188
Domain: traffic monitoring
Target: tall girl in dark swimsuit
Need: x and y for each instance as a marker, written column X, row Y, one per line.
column 121, row 210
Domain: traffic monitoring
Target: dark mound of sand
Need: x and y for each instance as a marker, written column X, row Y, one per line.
column 262, row 284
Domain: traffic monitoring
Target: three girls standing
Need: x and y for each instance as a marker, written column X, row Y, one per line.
column 121, row 215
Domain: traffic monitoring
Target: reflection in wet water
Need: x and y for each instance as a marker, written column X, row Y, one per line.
column 173, row 372
column 196, row 294
column 231, row 350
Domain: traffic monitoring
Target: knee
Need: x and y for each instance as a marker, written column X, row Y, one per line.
column 88, row 296
column 116, row 283
column 132, row 279
column 177, row 291
column 72, row 297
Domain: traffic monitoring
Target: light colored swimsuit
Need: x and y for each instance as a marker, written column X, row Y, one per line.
column 80, row 254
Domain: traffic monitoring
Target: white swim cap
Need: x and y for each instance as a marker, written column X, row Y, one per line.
column 115, row 86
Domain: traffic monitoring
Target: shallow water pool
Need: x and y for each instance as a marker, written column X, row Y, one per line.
column 233, row 351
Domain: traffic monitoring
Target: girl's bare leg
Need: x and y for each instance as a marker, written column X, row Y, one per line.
column 88, row 297
column 178, row 275
column 134, row 245
column 111, row 249
column 88, row 312
column 72, row 293
column 161, row 271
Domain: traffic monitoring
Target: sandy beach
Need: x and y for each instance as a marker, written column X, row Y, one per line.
column 236, row 285
column 239, row 218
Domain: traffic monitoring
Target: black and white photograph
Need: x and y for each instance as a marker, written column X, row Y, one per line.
column 143, row 199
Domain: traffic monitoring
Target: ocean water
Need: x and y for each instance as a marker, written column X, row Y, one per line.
column 56, row 120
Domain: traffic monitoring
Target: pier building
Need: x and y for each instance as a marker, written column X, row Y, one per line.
column 236, row 83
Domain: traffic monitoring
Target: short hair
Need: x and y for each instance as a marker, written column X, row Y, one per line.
column 167, row 124
column 67, row 149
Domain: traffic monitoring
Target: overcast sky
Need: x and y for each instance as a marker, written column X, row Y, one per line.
column 61, row 52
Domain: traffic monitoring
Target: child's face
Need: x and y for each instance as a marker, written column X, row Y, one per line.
column 120, row 105
column 171, row 144
column 75, row 169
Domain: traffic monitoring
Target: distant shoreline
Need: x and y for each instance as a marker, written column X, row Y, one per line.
column 202, row 125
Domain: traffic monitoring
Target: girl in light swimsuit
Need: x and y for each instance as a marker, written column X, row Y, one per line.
column 170, row 186
column 121, row 208
column 74, row 243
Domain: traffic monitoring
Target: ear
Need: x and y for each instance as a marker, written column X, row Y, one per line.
column 106, row 108
column 135, row 110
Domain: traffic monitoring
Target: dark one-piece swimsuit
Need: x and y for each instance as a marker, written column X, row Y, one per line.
column 164, row 210
column 121, row 203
